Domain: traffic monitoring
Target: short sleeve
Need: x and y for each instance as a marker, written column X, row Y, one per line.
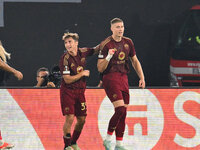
column 103, row 52
column 86, row 51
column 132, row 49
column 64, row 66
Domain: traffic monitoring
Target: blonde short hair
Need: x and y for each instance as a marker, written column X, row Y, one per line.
column 72, row 35
column 115, row 20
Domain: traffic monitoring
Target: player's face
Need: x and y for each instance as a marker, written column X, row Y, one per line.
column 117, row 29
column 71, row 46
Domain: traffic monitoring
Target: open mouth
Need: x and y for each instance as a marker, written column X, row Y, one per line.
column 69, row 48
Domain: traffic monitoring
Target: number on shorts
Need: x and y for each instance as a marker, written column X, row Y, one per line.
column 83, row 106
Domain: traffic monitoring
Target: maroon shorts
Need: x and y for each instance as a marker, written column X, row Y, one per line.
column 73, row 102
column 116, row 86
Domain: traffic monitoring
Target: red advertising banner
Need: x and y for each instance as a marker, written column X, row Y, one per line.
column 157, row 119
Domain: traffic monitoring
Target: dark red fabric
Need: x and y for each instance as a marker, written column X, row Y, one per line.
column 119, row 111
column 121, row 127
column 75, row 136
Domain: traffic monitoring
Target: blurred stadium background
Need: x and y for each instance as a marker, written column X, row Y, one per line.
column 31, row 30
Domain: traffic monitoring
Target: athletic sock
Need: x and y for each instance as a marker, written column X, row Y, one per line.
column 75, row 136
column 121, row 127
column 119, row 111
column 67, row 139
column 108, row 137
column 119, row 143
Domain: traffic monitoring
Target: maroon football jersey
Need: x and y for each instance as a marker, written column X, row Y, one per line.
column 123, row 50
column 72, row 65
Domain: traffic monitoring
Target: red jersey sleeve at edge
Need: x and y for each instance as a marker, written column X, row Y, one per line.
column 103, row 48
column 86, row 51
column 132, row 48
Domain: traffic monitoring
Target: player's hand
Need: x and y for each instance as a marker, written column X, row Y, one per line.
column 111, row 51
column 110, row 54
column 142, row 84
column 86, row 73
column 18, row 75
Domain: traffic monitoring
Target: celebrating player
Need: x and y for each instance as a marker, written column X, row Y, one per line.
column 113, row 57
column 73, row 103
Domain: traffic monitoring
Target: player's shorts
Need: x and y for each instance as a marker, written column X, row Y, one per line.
column 73, row 102
column 116, row 86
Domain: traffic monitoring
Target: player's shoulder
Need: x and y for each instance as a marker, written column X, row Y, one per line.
column 127, row 38
column 65, row 55
column 65, row 58
column 105, row 41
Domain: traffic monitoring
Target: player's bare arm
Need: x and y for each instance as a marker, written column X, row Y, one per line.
column 18, row 75
column 71, row 79
column 138, row 68
column 7, row 68
column 103, row 63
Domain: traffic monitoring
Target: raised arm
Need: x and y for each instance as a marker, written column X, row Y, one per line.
column 103, row 63
column 138, row 68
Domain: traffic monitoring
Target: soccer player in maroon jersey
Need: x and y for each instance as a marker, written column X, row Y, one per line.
column 113, row 57
column 73, row 84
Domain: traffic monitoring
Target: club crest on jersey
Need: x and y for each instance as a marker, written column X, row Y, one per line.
column 79, row 69
column 126, row 46
column 121, row 55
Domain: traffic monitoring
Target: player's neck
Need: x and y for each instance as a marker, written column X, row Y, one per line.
column 74, row 52
column 117, row 38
